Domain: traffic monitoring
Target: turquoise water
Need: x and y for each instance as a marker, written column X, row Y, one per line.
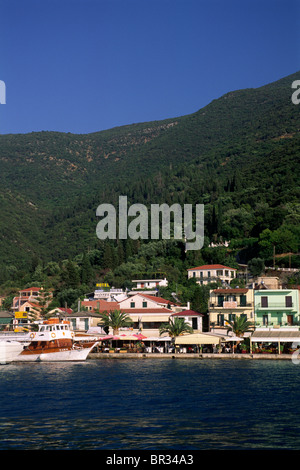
column 150, row 404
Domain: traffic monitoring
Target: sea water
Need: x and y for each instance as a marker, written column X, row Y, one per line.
column 150, row 404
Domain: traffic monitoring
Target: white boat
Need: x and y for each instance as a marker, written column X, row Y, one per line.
column 55, row 341
column 9, row 350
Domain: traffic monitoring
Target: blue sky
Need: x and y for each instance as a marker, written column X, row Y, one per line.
column 82, row 66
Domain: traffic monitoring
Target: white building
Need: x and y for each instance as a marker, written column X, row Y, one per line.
column 149, row 283
column 212, row 273
column 194, row 319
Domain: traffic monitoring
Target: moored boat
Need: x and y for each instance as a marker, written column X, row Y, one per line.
column 54, row 341
column 9, row 350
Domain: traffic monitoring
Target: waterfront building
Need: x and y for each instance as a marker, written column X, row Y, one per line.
column 148, row 312
column 142, row 301
column 278, row 308
column 212, row 273
column 193, row 318
column 227, row 304
column 83, row 321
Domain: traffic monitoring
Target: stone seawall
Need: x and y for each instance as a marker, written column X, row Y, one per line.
column 224, row 356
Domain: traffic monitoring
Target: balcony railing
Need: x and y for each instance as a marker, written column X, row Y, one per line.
column 277, row 306
column 231, row 304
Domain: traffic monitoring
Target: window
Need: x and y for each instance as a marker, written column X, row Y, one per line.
column 243, row 300
column 264, row 301
column 221, row 319
column 231, row 317
column 151, row 325
column 208, row 273
column 288, row 301
column 132, row 304
column 220, row 300
column 144, row 304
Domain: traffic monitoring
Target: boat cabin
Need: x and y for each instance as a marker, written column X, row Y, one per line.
column 53, row 329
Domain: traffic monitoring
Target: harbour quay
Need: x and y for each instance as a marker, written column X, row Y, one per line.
column 188, row 356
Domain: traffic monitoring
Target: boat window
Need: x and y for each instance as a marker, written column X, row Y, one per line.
column 57, row 327
column 42, row 328
column 47, row 328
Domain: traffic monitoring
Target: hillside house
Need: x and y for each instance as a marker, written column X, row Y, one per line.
column 32, row 295
column 212, row 273
column 144, row 284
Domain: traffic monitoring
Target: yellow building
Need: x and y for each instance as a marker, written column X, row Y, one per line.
column 227, row 304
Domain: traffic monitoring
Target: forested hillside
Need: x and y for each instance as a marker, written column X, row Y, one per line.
column 239, row 156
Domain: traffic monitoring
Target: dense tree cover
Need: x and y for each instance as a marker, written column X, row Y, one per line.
column 238, row 156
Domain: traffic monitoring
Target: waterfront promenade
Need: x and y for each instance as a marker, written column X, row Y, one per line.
column 188, row 356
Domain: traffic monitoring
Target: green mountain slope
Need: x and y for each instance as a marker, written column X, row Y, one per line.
column 238, row 155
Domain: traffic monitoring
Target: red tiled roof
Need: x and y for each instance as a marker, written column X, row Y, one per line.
column 187, row 313
column 101, row 305
column 33, row 304
column 212, row 266
column 231, row 291
column 159, row 300
column 29, row 289
column 146, row 310
column 66, row 310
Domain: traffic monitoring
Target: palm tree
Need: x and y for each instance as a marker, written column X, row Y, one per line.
column 116, row 319
column 239, row 326
column 175, row 327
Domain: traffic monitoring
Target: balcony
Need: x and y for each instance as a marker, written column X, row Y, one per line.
column 231, row 304
column 274, row 306
column 272, row 326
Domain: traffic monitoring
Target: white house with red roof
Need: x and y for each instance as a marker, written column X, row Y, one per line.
column 149, row 283
column 212, row 273
column 147, row 312
column 61, row 310
column 29, row 295
column 142, row 300
column 193, row 318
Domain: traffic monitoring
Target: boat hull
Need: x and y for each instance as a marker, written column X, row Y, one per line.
column 9, row 351
column 76, row 354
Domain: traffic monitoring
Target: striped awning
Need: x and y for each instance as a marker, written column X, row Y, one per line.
column 275, row 336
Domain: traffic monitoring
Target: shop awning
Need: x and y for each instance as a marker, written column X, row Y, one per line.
column 275, row 336
column 198, row 338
